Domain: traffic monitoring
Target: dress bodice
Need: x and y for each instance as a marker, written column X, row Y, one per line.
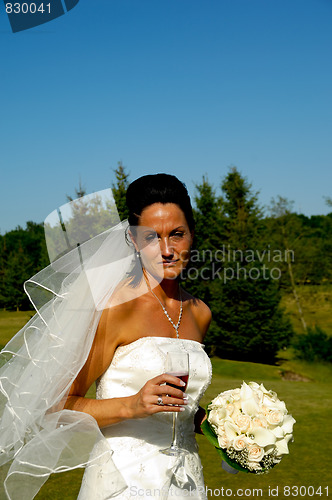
column 136, row 442
column 136, row 363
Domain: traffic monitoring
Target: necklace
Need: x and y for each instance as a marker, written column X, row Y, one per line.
column 177, row 325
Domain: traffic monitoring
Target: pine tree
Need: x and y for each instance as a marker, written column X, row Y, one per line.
column 248, row 323
column 241, row 212
column 18, row 270
column 22, row 254
column 251, row 322
column 80, row 191
column 119, row 190
column 208, row 238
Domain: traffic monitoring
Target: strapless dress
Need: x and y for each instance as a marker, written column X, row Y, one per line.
column 136, row 442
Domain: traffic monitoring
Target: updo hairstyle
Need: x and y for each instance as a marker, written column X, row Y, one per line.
column 157, row 188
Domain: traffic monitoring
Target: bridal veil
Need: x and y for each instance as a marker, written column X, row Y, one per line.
column 91, row 258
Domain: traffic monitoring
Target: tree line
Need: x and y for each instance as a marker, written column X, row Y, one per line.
column 242, row 260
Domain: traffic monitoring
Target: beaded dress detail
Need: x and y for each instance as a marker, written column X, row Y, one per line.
column 136, row 443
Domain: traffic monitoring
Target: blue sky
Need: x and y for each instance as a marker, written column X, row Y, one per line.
column 188, row 87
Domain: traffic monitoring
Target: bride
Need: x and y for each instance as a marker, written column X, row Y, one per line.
column 135, row 399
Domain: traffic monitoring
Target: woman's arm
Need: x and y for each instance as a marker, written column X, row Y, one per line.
column 111, row 411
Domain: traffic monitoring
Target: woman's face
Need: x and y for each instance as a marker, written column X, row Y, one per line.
column 164, row 240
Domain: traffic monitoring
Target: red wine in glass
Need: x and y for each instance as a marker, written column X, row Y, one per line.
column 181, row 375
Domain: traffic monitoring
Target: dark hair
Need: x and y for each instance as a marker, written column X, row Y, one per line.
column 157, row 188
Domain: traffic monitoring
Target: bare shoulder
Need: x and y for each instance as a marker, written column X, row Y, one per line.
column 200, row 310
column 120, row 321
column 113, row 318
column 112, row 330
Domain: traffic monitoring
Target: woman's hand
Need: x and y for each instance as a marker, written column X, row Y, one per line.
column 145, row 402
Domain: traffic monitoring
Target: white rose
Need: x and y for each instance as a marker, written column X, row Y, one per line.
column 236, row 394
column 218, row 401
column 259, row 422
column 228, row 395
column 230, row 409
column 255, row 453
column 237, row 405
column 240, row 442
column 264, row 410
column 216, row 417
column 232, row 418
column 243, row 422
column 223, row 441
column 274, row 417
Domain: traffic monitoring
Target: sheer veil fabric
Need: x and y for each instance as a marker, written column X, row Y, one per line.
column 89, row 269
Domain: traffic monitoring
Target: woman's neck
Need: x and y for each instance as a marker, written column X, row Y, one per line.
column 166, row 289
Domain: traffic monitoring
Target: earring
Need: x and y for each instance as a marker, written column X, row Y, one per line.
column 138, row 255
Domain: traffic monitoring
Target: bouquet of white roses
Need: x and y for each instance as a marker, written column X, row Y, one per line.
column 250, row 427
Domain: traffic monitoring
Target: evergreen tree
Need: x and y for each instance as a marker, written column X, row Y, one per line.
column 252, row 324
column 22, row 254
column 242, row 215
column 80, row 191
column 18, row 270
column 119, row 190
column 208, row 230
column 35, row 246
column 207, row 234
column 208, row 237
column 248, row 323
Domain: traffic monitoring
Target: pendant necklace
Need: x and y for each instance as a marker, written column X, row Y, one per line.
column 177, row 325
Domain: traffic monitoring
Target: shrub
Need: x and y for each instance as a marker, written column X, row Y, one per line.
column 315, row 345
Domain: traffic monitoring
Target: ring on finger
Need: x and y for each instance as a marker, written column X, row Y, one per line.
column 160, row 401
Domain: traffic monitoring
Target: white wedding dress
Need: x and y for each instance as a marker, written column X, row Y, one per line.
column 136, row 443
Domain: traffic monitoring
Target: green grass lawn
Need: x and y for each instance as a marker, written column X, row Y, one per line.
column 11, row 323
column 310, row 402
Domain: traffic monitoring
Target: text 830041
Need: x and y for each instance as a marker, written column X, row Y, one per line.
column 28, row 8
column 305, row 491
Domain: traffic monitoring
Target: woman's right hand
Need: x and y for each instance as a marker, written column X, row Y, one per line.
column 145, row 402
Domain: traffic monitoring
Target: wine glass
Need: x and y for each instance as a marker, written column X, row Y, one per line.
column 177, row 364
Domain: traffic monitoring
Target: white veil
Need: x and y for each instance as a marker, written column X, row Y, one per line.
column 37, row 367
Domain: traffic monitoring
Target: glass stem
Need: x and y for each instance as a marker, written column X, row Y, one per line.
column 174, row 431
